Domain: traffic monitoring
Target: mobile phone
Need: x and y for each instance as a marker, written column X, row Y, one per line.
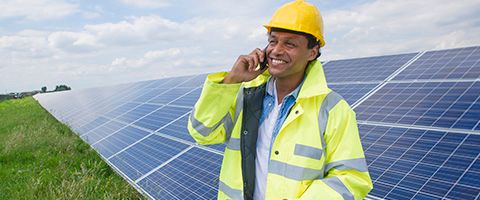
column 264, row 64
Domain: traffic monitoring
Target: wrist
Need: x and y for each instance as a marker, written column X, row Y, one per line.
column 229, row 79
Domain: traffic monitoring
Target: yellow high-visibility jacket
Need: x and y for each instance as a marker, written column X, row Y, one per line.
column 317, row 153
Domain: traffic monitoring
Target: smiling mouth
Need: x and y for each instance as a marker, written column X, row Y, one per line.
column 278, row 61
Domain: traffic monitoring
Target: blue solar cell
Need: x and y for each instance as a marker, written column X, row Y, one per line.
column 95, row 123
column 364, row 69
column 178, row 129
column 427, row 163
column 381, row 190
column 352, row 92
column 444, row 64
column 193, row 175
column 413, row 182
column 170, row 95
column 426, row 104
column 195, row 81
column 102, row 131
column 121, row 109
column 174, row 82
column 189, row 99
column 471, row 178
column 146, row 155
column 468, row 150
column 137, row 113
column 463, row 192
column 400, row 193
column 436, row 188
column 218, row 147
column 161, row 117
column 119, row 140
column 149, row 94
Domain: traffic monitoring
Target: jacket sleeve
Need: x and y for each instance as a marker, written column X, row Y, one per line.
column 211, row 119
column 346, row 172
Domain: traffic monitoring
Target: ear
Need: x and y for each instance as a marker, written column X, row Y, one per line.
column 313, row 52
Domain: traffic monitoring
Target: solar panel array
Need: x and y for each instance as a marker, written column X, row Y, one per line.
column 418, row 114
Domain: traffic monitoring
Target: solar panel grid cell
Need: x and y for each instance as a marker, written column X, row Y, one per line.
column 119, row 140
column 161, row 117
column 193, row 175
column 170, row 95
column 437, row 104
column 137, row 113
column 189, row 99
column 121, row 110
column 462, row 63
column 365, row 69
column 102, row 131
column 409, row 162
column 146, row 155
column 352, row 92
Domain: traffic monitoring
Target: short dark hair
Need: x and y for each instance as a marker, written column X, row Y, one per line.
column 312, row 41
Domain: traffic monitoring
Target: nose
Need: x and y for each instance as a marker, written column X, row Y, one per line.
column 276, row 50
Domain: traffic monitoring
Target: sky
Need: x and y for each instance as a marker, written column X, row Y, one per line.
column 88, row 43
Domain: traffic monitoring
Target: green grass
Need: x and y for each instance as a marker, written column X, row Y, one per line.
column 40, row 158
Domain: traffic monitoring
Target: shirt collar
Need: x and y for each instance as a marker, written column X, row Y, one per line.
column 271, row 87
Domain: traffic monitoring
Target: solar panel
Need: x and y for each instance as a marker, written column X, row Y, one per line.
column 437, row 104
column 193, row 175
column 352, row 92
column 146, row 155
column 364, row 69
column 461, row 63
column 421, row 164
column 161, row 117
column 419, row 126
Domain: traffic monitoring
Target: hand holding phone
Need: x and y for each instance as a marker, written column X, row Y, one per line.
column 264, row 64
column 247, row 67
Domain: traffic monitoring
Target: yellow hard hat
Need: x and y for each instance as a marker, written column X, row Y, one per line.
column 298, row 16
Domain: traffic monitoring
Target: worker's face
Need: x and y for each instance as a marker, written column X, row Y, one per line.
column 288, row 54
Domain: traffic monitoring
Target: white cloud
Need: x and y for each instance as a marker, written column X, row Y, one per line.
column 147, row 3
column 111, row 50
column 147, row 59
column 74, row 42
column 36, row 9
column 26, row 44
column 389, row 27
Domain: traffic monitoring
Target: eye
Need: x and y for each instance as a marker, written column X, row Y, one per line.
column 290, row 44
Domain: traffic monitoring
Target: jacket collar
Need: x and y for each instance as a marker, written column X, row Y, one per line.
column 315, row 83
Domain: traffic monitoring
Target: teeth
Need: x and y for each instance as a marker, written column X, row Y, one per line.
column 276, row 61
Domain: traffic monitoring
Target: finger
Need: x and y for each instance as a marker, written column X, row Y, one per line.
column 260, row 54
column 256, row 60
column 251, row 63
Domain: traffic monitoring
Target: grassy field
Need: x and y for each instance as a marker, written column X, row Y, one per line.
column 41, row 158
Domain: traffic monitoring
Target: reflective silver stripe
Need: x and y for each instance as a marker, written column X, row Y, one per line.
column 339, row 187
column 330, row 101
column 359, row 164
column 307, row 151
column 238, row 109
column 234, row 144
column 204, row 130
column 232, row 193
column 239, row 104
column 294, row 172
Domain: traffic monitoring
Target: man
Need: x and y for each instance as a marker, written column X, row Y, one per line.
column 289, row 136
